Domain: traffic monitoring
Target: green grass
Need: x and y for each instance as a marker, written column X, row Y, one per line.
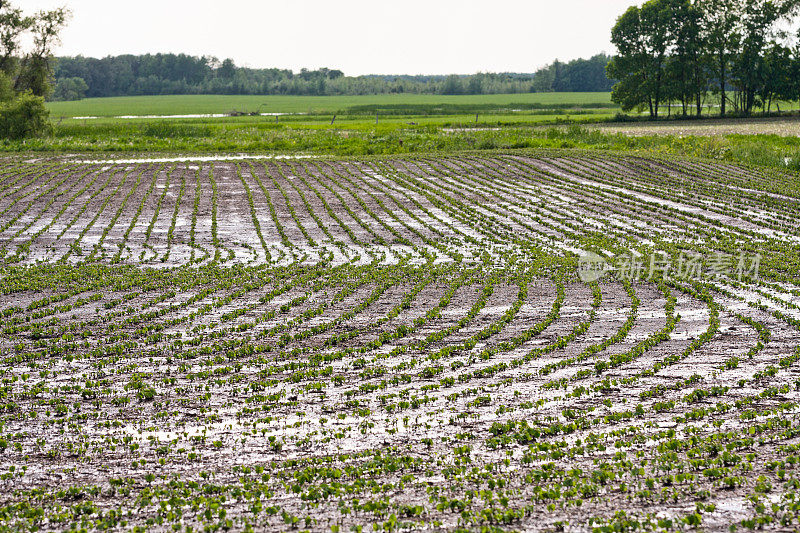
column 537, row 117
column 407, row 124
column 393, row 138
column 207, row 104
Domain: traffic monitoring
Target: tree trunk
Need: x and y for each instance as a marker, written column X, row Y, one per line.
column 723, row 97
column 657, row 99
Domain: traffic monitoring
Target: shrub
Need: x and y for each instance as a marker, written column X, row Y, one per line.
column 25, row 116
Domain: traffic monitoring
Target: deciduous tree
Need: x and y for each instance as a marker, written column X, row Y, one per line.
column 36, row 69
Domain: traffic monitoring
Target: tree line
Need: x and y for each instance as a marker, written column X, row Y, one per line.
column 735, row 54
column 156, row 74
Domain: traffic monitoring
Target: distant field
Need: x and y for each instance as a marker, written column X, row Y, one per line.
column 208, row 104
column 407, row 124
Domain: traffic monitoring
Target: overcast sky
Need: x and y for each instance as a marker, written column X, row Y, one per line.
column 356, row 36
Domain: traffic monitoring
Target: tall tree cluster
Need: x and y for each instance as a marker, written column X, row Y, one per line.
column 28, row 70
column 579, row 75
column 738, row 52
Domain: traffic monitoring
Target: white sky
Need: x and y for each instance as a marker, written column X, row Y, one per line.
column 356, row 36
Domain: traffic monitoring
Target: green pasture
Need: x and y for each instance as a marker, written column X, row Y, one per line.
column 315, row 105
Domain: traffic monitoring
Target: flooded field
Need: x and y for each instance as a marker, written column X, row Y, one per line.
column 785, row 127
column 398, row 344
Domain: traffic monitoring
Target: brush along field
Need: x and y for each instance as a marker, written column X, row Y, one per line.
column 394, row 344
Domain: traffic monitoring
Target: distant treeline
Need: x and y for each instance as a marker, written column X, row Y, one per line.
column 580, row 75
column 159, row 74
column 736, row 54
